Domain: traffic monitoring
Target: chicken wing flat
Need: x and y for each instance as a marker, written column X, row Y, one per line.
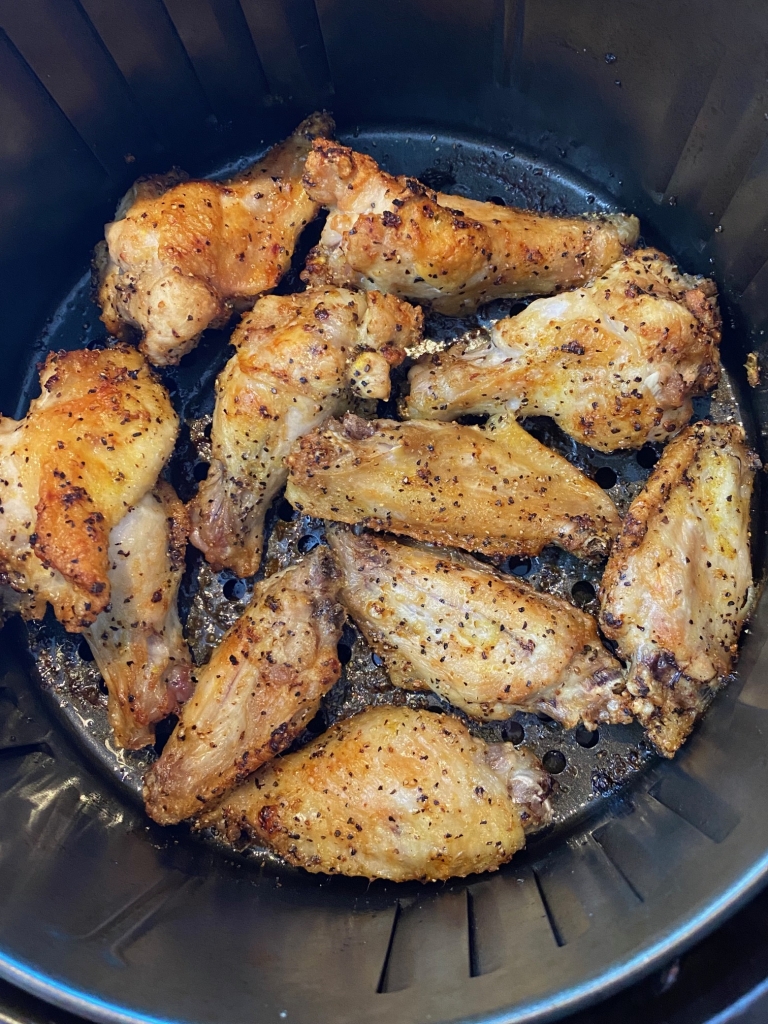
column 491, row 645
column 445, row 252
column 393, row 793
column 496, row 490
column 615, row 363
column 264, row 682
column 89, row 449
column 137, row 641
column 678, row 585
column 298, row 359
column 181, row 254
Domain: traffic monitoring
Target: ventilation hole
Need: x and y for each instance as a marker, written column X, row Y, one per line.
column 512, row 732
column 344, row 652
column 103, row 688
column 585, row 738
column 376, row 659
column 207, row 430
column 308, row 542
column 606, row 477
column 496, row 200
column 545, row 719
column 473, row 420
column 647, row 457
column 163, row 732
column 234, row 589
column 554, row 762
column 317, row 725
column 519, row 566
column 286, row 511
column 582, row 592
column 84, row 650
column 200, row 470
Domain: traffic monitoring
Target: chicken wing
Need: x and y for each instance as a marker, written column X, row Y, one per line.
column 264, row 682
column 497, row 490
column 137, row 641
column 298, row 358
column 89, row 449
column 181, row 254
column 393, row 793
column 678, row 585
column 615, row 364
column 491, row 645
column 446, row 252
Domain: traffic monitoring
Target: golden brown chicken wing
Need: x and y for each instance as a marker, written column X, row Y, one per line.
column 446, row 252
column 678, row 585
column 615, row 364
column 496, row 490
column 489, row 644
column 137, row 641
column 180, row 255
column 298, row 358
column 393, row 793
column 89, row 449
column 264, row 682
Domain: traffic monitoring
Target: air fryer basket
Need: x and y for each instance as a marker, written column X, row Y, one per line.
column 658, row 109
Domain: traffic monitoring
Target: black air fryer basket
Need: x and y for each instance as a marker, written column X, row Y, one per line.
column 656, row 108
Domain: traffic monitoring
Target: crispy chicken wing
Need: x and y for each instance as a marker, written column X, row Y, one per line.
column 489, row 644
column 496, row 490
column 264, row 682
column 180, row 255
column 615, row 364
column 393, row 793
column 298, row 358
column 446, row 252
column 89, row 449
column 678, row 585
column 137, row 641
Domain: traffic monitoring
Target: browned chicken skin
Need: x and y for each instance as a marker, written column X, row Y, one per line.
column 677, row 587
column 446, row 252
column 180, row 255
column 392, row 793
column 89, row 449
column 137, row 641
column 496, row 490
column 489, row 644
column 298, row 360
column 264, row 682
column 615, row 363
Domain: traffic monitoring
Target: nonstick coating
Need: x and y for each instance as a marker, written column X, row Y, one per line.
column 118, row 919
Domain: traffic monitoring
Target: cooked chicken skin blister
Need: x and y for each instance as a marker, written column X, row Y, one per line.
column 180, row 254
column 489, row 644
column 678, row 585
column 137, row 641
column 615, row 363
column 392, row 793
column 299, row 360
column 497, row 491
column 88, row 450
column 262, row 685
column 446, row 252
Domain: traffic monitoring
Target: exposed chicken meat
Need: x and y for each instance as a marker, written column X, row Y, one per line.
column 615, row 364
column 392, row 793
column 298, row 359
column 446, row 252
column 137, row 641
column 264, row 682
column 491, row 645
column 181, row 254
column 677, row 587
column 496, row 490
column 89, row 449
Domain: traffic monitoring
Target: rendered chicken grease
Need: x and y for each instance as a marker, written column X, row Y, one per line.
column 411, row 767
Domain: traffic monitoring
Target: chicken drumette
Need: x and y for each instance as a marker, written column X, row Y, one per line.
column 615, row 364
column 180, row 254
column 446, row 252
column 298, row 360
column 678, row 584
